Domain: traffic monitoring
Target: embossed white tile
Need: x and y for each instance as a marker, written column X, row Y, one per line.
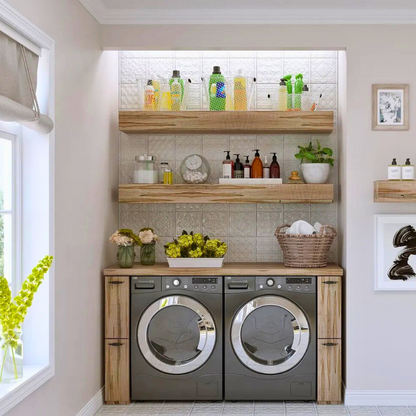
column 208, row 65
column 269, row 70
column 215, row 54
column 266, row 96
column 160, row 67
column 213, row 147
column 291, row 143
column 130, row 97
column 242, row 207
column 125, row 172
column 187, row 145
column 267, row 223
column 242, row 224
column 296, row 207
column 288, row 167
column 243, row 145
column 247, row 65
column 269, row 54
column 242, row 54
column 215, row 223
column 324, row 218
column 323, row 71
column 160, row 54
column 291, row 217
column 268, row 250
column 194, row 97
column 269, row 207
column 163, row 223
column 160, row 207
column 324, row 54
column 363, row 411
column 134, row 220
column 270, row 143
column 187, row 207
column 216, row 171
column 190, row 68
column 133, row 54
column 132, row 70
column 132, row 145
column 188, row 54
column 329, row 95
column 188, row 221
column 296, row 66
column 296, row 54
column 394, row 411
column 133, row 208
column 145, row 408
column 162, row 147
column 216, row 207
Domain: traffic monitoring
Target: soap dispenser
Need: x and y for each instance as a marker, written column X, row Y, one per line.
column 274, row 167
column 257, row 165
column 247, row 168
column 266, row 168
column 227, row 166
column 394, row 171
column 408, row 171
column 238, row 167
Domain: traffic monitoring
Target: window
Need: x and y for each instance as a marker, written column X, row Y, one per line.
column 10, row 191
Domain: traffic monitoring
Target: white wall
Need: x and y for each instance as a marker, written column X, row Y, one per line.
column 86, row 208
column 380, row 327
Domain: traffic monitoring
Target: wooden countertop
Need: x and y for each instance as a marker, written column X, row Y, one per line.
column 229, row 269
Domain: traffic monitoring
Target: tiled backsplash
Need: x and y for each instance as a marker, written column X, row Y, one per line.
column 247, row 228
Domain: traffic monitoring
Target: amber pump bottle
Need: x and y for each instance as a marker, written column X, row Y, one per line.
column 257, row 165
column 274, row 167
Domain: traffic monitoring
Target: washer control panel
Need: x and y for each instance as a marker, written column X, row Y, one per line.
column 203, row 284
column 300, row 284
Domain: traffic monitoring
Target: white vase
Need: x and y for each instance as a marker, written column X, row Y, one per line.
column 315, row 172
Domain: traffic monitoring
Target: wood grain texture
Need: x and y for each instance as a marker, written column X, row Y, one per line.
column 329, row 307
column 395, row 191
column 117, row 306
column 329, row 389
column 229, row 269
column 226, row 122
column 225, row 194
column 117, row 371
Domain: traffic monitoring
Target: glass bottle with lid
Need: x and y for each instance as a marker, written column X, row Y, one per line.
column 145, row 170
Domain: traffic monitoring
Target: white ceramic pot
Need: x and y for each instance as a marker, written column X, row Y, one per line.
column 198, row 262
column 315, row 172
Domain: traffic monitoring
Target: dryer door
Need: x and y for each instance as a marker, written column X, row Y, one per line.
column 176, row 334
column 270, row 334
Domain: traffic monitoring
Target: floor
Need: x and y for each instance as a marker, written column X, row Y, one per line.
column 251, row 409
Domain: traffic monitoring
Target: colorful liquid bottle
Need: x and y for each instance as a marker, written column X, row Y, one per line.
column 274, row 167
column 298, row 92
column 288, row 79
column 166, row 102
column 176, row 75
column 257, row 165
column 156, row 86
column 216, row 87
column 149, row 96
column 175, row 95
column 240, row 92
column 282, row 98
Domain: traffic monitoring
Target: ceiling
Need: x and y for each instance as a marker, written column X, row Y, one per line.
column 251, row 11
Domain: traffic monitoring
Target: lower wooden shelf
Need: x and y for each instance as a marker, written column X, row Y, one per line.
column 226, row 194
column 395, row 191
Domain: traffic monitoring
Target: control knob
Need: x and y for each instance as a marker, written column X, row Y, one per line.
column 270, row 282
column 176, row 282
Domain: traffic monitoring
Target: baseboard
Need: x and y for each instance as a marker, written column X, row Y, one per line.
column 92, row 407
column 380, row 397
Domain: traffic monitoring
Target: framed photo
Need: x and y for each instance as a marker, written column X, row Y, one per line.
column 390, row 107
column 395, row 252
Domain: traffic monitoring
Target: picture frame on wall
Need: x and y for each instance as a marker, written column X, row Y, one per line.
column 390, row 107
column 395, row 252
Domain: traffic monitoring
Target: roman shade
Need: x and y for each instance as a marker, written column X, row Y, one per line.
column 18, row 80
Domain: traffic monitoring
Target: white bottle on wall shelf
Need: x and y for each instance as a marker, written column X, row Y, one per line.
column 408, row 171
column 394, row 171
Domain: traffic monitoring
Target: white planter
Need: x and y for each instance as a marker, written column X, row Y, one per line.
column 196, row 263
column 315, row 172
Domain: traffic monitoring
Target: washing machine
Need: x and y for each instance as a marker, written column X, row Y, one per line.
column 176, row 338
column 270, row 338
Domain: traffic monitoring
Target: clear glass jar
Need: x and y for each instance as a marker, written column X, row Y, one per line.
column 145, row 170
column 11, row 357
column 195, row 169
column 164, row 166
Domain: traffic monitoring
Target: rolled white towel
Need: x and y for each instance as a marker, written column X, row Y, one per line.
column 301, row 227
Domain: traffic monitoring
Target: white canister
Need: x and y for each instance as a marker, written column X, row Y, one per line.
column 145, row 170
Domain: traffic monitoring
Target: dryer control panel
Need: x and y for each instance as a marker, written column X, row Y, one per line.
column 204, row 284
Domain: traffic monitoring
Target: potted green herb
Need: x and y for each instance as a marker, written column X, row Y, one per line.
column 12, row 315
column 316, row 162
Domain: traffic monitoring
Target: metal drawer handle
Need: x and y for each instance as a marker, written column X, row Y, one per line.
column 330, row 282
column 330, row 344
column 116, row 344
column 115, row 282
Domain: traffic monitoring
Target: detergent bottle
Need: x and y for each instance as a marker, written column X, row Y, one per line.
column 216, row 88
column 298, row 92
column 288, row 79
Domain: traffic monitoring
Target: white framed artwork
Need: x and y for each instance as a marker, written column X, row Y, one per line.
column 395, row 252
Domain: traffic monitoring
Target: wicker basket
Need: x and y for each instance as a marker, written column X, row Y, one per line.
column 305, row 250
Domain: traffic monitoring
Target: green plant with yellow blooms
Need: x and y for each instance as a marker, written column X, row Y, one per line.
column 13, row 312
column 195, row 246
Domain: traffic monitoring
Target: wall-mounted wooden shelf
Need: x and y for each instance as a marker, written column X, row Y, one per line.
column 226, row 122
column 226, row 194
column 395, row 191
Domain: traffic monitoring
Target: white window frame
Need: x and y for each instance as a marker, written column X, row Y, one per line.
column 34, row 375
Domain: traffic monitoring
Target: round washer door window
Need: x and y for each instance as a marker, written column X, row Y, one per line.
column 176, row 334
column 270, row 334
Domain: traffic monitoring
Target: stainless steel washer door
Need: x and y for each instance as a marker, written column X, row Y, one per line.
column 270, row 334
column 176, row 334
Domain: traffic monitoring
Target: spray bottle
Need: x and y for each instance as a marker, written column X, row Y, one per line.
column 298, row 92
column 288, row 79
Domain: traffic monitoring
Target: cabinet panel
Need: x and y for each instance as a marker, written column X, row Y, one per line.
column 329, row 307
column 117, row 303
column 329, row 371
column 117, row 371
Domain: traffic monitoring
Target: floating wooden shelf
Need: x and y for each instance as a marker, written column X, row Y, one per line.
column 225, row 194
column 226, row 122
column 395, row 191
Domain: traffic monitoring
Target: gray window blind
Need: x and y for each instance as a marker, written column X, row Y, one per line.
column 18, row 80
